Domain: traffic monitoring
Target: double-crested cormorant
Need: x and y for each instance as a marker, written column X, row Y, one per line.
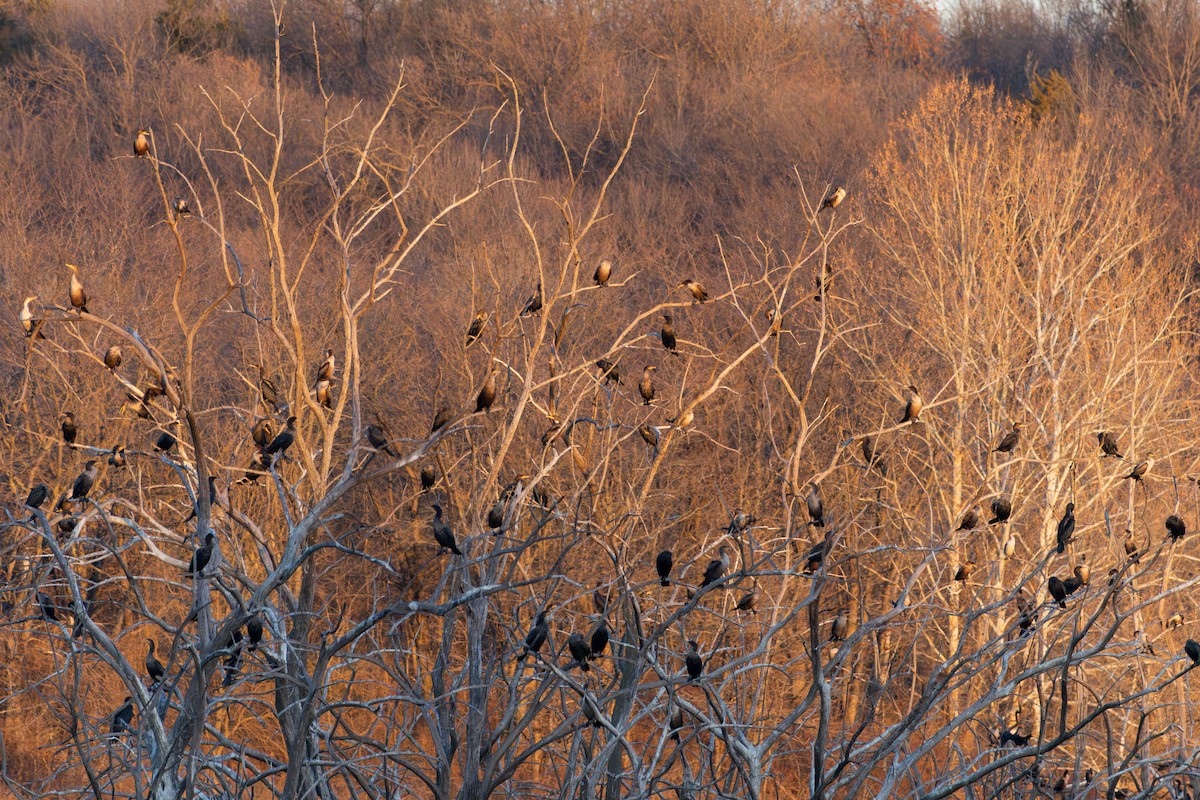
column 325, row 371
column 840, row 627
column 234, row 661
column 1174, row 621
column 696, row 288
column 969, row 520
column 683, row 419
column 181, row 207
column 579, row 650
column 141, row 143
column 1014, row 738
column 1009, row 442
column 1131, row 548
column 37, row 496
column 746, row 602
column 201, row 557
column 536, row 636
column 1108, row 443
column 600, row 598
column 913, row 407
column 534, row 304
column 266, row 388
column 164, row 442
column 668, row 333
column 428, row 477
column 113, row 357
column 78, row 296
column 1083, row 571
column 646, row 387
column 824, row 281
column 261, row 433
column 873, row 454
column 68, row 426
column 833, row 199
column 377, row 436
column 1072, row 584
column 1142, row 468
column 964, row 572
column 603, row 273
column 487, row 395
column 693, row 662
column 441, row 419
column 676, row 724
column 1058, row 591
column 816, row 556
column 663, row 564
column 1027, row 613
column 816, row 509
column 122, row 718
column 254, row 631
column 1066, row 528
column 28, row 323
column 649, row 434
column 46, row 608
column 1001, row 510
column 1192, row 648
column 739, row 522
column 476, row 328
column 599, row 640
column 283, row 440
column 609, row 371
column 154, row 667
column 116, row 459
column 1175, row 527
column 716, row 568
column 324, row 393
column 495, row 517
column 84, row 482
column 442, row 533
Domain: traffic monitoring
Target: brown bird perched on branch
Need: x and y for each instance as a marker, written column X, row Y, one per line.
column 646, row 387
column 261, row 433
column 477, row 326
column 969, row 520
column 141, row 143
column 1009, row 442
column 716, row 568
column 1001, row 510
column 1108, row 443
column 833, row 199
column 964, row 572
column 873, row 453
column 840, row 626
column 668, row 333
column 1142, row 468
column 378, row 437
column 1175, row 527
column 326, row 370
column 696, row 288
column 816, row 509
column 442, row 533
column 1174, row 621
column 610, row 372
column 1131, row 548
column 534, row 304
column 1066, row 528
column 113, row 357
column 603, row 273
column 77, row 294
column 487, row 394
column 912, row 408
column 181, row 207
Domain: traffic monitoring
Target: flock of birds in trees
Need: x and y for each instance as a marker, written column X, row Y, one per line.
column 271, row 446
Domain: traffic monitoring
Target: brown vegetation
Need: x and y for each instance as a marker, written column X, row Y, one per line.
column 334, row 192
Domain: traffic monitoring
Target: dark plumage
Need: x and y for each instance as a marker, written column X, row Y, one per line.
column 1001, row 510
column 599, row 640
column 646, row 386
column 913, row 407
column 964, row 572
column 84, row 482
column 1131, row 548
column 969, row 520
column 116, row 458
column 534, row 304
column 495, row 518
column 122, row 718
column 37, row 496
column 610, row 372
column 377, row 436
column 1192, row 648
column 873, row 454
column 716, row 568
column 1058, row 591
column 668, row 333
column 1009, row 442
column 46, row 608
column 1066, row 528
column 154, row 667
column 579, row 649
column 212, row 499
column 476, row 327
column 1176, row 529
column 816, row 509
column 202, row 556
column 663, row 564
column 1108, row 444
column 1013, row 738
column 536, row 636
column 69, row 428
column 487, row 394
column 113, row 357
column 254, row 631
column 283, row 440
column 746, row 603
column 693, row 662
column 428, row 478
column 816, row 556
column 840, row 627
column 442, row 533
column 441, row 419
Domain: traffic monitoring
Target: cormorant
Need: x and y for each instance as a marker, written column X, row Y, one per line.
column 1142, row 468
column 46, row 608
column 964, row 572
column 69, row 429
column 649, row 434
column 1083, row 571
column 164, row 442
column 212, row 498
column 1010, row 441
column 261, row 433
column 816, row 509
column 840, row 627
column 116, row 459
column 534, row 304
column 1175, row 528
column 141, row 143
column 746, row 602
column 824, row 280
column 441, row 419
column 775, row 320
column 834, row 199
column 254, row 631
column 84, row 482
column 696, row 288
column 325, row 371
column 378, row 438
column 1009, row 547
column 1013, row 738
column 1072, row 584
column 201, row 557
column 1174, row 621
column 1001, row 510
column 181, row 207
column 324, row 393
column 442, row 533
column 234, row 661
column 693, row 662
column 1027, row 613
column 912, row 408
column 663, row 564
column 113, row 357
column 154, row 667
column 676, row 721
column 428, row 478
column 122, row 718
column 28, row 323
column 1066, row 528
column 1192, row 648
column 603, row 273
column 476, row 328
column 487, row 394
column 266, row 388
column 717, row 567
column 536, row 636
column 816, row 555
column 283, row 440
column 609, row 371
column 78, row 296
column 580, row 650
column 969, row 520
column 37, row 496
column 668, row 333
column 683, row 419
column 739, row 522
column 600, row 599
column 495, row 517
column 873, row 454
column 1131, row 548
column 1058, row 591
column 646, row 387
column 1108, row 443
column 599, row 640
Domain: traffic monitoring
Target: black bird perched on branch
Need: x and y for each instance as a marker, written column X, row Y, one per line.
column 816, row 509
column 476, row 327
column 1142, row 468
column 579, row 650
column 840, row 627
column 600, row 638
column 428, row 478
column 1027, row 614
column 1066, row 528
column 283, row 440
column 202, row 556
column 68, row 426
column 912, row 408
column 377, row 436
column 442, row 532
column 1009, row 442
column 487, row 394
column 1108, row 444
column 46, row 607
column 693, row 662
column 1014, row 738
column 84, row 482
column 717, row 567
column 816, row 556
column 536, row 636
column 746, row 602
column 873, row 454
column 1001, row 510
column 164, row 442
column 964, row 572
column 534, row 304
column 609, row 371
column 254, row 631
column 154, row 667
column 441, row 419
column 663, row 564
column 668, row 333
column 1058, row 591
column 37, row 496
column 969, row 520
column 234, row 662
column 1175, row 528
column 1192, row 648
column 122, row 717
